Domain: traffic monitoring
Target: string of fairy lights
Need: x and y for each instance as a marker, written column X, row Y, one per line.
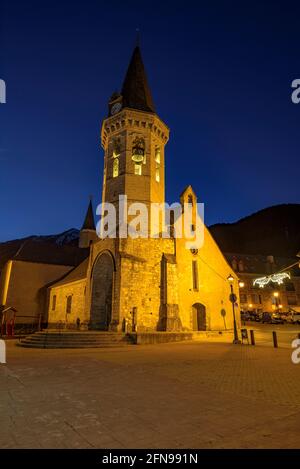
column 277, row 278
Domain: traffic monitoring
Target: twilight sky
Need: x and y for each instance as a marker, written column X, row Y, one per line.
column 220, row 74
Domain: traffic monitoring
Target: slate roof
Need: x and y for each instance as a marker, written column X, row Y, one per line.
column 89, row 221
column 78, row 273
column 135, row 90
column 41, row 252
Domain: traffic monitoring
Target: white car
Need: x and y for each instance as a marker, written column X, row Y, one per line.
column 293, row 318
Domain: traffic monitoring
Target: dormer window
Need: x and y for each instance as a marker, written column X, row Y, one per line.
column 190, row 199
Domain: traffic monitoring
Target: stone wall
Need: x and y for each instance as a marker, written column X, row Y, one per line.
column 59, row 315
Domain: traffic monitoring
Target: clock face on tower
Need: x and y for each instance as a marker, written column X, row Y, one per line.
column 115, row 108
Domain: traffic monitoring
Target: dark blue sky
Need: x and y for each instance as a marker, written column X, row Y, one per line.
column 220, row 74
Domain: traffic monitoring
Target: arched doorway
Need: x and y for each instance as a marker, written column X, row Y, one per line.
column 102, row 286
column 199, row 317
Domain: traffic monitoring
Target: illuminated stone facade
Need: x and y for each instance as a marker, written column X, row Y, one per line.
column 143, row 284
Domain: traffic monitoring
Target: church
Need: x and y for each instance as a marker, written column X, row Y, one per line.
column 141, row 284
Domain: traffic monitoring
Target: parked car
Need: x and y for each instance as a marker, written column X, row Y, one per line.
column 266, row 318
column 245, row 316
column 277, row 319
column 293, row 318
column 254, row 316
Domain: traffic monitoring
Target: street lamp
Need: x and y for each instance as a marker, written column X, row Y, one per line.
column 233, row 299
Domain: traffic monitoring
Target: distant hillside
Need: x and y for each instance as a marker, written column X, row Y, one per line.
column 272, row 231
column 11, row 249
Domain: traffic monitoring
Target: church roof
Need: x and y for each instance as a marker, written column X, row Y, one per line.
column 31, row 250
column 89, row 221
column 135, row 91
column 78, row 273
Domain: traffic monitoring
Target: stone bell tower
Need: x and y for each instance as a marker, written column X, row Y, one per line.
column 133, row 138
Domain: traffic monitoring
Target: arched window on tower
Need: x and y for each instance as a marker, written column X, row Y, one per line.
column 116, row 167
column 138, row 155
column 116, row 155
column 157, row 164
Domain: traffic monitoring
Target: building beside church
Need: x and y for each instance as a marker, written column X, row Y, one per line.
column 141, row 284
column 284, row 297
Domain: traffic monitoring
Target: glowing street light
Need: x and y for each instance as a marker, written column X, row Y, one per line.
column 276, row 296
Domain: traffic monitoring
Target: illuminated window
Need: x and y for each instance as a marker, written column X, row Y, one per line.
column 69, row 304
column 195, row 275
column 138, row 169
column 157, row 155
column 157, row 164
column 116, row 167
column 53, row 302
column 157, row 175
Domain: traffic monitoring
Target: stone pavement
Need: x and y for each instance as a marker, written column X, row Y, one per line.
column 179, row 395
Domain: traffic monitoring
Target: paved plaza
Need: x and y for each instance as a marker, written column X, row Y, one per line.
column 179, row 395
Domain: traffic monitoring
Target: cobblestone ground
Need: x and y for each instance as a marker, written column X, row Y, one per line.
column 163, row 396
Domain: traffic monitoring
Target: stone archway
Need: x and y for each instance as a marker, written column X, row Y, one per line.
column 199, row 317
column 102, row 288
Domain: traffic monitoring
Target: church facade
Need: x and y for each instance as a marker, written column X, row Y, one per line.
column 142, row 284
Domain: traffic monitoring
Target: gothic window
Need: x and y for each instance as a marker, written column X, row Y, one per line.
column 157, row 164
column 116, row 154
column 69, row 304
column 53, row 302
column 157, row 175
column 195, row 275
column 116, row 167
column 117, row 148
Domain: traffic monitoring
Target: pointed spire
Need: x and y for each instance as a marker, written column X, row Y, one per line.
column 89, row 222
column 135, row 91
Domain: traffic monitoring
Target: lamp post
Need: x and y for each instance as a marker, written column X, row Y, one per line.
column 233, row 298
